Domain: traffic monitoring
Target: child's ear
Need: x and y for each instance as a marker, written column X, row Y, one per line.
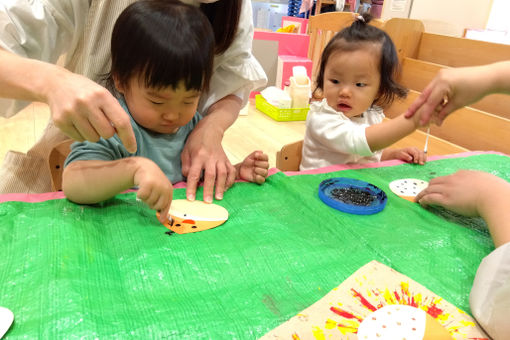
column 118, row 85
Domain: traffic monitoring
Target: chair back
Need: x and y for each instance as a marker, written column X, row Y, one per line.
column 56, row 161
column 322, row 28
column 289, row 157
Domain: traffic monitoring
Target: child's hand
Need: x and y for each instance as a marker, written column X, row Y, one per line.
column 154, row 188
column 253, row 168
column 467, row 192
column 409, row 155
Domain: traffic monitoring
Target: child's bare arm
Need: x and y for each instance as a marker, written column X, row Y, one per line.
column 390, row 131
column 94, row 181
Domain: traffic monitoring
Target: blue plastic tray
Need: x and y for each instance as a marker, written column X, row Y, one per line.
column 352, row 196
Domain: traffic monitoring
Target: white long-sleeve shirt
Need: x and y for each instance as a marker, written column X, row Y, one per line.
column 490, row 295
column 332, row 138
column 81, row 30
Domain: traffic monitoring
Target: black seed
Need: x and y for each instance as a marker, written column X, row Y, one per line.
column 353, row 196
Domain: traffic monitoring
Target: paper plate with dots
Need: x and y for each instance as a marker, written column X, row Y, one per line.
column 408, row 188
column 401, row 322
column 352, row 196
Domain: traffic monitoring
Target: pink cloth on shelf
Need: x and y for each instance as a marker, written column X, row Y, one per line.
column 306, row 5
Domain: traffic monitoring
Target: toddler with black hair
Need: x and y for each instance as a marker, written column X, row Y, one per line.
column 162, row 60
column 356, row 79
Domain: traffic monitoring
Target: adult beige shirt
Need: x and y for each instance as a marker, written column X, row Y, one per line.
column 79, row 31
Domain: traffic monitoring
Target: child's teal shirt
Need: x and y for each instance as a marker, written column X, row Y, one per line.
column 163, row 149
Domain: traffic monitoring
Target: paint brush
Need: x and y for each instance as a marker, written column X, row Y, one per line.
column 426, row 141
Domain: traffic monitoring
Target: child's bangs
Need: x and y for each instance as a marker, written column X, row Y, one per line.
column 174, row 68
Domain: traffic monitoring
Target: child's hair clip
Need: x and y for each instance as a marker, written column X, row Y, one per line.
column 360, row 18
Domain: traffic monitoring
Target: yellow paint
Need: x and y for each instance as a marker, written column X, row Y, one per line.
column 348, row 326
column 351, row 324
column 390, row 299
column 330, row 324
column 466, row 323
column 405, row 288
column 318, row 333
column 347, row 330
column 418, row 299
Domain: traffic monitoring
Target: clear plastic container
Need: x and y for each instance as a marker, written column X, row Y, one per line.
column 300, row 91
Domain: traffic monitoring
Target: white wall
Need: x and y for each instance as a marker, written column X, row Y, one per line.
column 447, row 17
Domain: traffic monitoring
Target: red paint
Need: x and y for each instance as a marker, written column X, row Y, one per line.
column 351, row 329
column 345, row 314
column 363, row 301
column 396, row 295
column 434, row 311
column 188, row 221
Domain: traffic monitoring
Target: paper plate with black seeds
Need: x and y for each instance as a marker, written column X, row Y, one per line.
column 352, row 195
column 408, row 188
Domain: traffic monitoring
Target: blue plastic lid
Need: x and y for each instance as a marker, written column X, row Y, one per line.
column 352, row 196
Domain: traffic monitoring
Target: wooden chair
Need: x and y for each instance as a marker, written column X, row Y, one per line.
column 319, row 3
column 56, row 161
column 322, row 28
column 289, row 157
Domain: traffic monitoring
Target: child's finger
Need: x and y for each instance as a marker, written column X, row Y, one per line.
column 260, row 156
column 420, row 157
column 163, row 216
column 262, row 164
column 261, row 172
column 404, row 156
column 259, row 179
column 152, row 200
column 231, row 178
column 432, row 199
column 143, row 193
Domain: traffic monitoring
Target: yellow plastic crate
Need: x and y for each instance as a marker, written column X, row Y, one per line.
column 281, row 115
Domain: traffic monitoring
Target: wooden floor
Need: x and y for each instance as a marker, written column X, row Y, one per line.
column 254, row 131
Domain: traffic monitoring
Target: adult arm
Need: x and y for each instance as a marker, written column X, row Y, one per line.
column 461, row 86
column 236, row 73
column 35, row 35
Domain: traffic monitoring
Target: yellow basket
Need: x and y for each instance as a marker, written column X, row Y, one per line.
column 281, row 115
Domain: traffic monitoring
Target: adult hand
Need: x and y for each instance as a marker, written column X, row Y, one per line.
column 203, row 153
column 450, row 90
column 154, row 188
column 84, row 110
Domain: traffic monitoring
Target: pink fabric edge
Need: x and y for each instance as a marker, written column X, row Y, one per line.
column 34, row 198
column 340, row 167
